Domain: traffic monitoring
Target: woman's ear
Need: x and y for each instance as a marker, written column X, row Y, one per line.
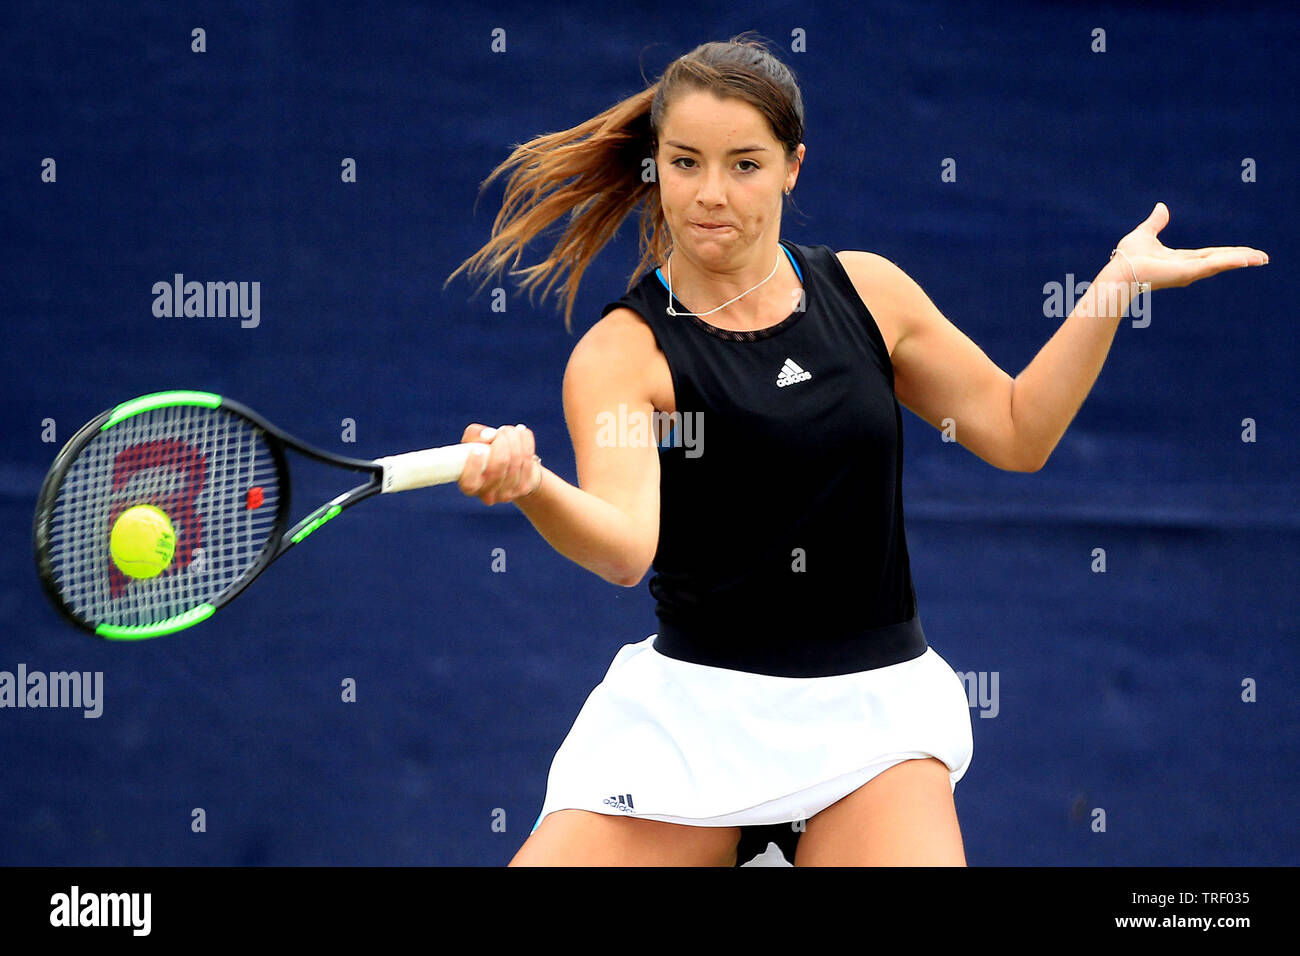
column 795, row 167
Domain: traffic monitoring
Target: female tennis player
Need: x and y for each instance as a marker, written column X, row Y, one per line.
column 789, row 694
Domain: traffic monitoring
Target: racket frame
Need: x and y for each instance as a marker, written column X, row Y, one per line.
column 280, row 539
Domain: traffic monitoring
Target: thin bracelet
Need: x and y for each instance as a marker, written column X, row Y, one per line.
column 540, row 476
column 1141, row 286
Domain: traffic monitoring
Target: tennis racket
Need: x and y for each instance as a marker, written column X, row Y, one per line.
column 216, row 470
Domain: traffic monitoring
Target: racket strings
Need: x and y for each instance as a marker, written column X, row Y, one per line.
column 211, row 471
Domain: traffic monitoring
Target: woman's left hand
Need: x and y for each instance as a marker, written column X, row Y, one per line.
column 1166, row 268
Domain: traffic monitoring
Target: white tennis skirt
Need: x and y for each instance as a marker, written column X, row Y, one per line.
column 664, row 739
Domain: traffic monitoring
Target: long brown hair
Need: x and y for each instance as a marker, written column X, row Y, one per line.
column 606, row 159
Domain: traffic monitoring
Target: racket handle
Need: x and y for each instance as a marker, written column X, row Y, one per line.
column 419, row 469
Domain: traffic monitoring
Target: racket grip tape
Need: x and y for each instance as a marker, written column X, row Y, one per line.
column 419, row 469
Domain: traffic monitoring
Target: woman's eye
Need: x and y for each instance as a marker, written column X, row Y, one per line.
column 688, row 159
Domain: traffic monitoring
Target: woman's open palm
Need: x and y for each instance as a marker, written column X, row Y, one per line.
column 1166, row 268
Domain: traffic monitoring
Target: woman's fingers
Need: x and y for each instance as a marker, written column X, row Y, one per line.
column 476, row 476
column 1157, row 220
column 471, row 477
column 500, row 467
column 1163, row 267
column 509, row 465
column 1254, row 257
column 1208, row 262
column 477, row 432
column 498, row 459
column 1168, row 271
column 1249, row 256
column 1172, row 268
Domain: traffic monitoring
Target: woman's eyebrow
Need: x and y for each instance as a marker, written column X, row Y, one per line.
column 741, row 149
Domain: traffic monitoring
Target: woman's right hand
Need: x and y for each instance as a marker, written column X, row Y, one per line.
column 505, row 468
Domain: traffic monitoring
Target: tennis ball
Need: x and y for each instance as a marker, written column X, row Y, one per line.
column 142, row 541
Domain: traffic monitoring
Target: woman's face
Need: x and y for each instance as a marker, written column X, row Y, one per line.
column 719, row 163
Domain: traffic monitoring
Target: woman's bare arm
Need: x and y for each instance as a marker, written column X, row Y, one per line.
column 609, row 523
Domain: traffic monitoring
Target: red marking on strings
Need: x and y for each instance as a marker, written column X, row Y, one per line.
column 255, row 497
column 179, row 505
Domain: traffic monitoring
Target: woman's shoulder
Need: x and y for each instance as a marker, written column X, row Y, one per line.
column 870, row 271
column 622, row 322
column 858, row 260
column 619, row 353
column 620, row 337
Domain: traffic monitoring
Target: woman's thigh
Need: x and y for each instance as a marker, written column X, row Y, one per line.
column 584, row 838
column 904, row 816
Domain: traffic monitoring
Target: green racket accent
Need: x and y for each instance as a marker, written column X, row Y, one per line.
column 316, row 524
column 137, row 632
column 160, row 400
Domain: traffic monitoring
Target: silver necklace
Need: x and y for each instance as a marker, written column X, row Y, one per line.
column 672, row 311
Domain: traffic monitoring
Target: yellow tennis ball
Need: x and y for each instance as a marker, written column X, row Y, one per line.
column 142, row 541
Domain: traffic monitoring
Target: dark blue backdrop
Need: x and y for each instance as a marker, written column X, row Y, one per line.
column 1119, row 690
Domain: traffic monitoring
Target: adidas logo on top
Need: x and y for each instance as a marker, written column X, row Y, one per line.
column 791, row 373
column 622, row 801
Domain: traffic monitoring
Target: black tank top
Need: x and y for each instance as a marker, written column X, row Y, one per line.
column 781, row 546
